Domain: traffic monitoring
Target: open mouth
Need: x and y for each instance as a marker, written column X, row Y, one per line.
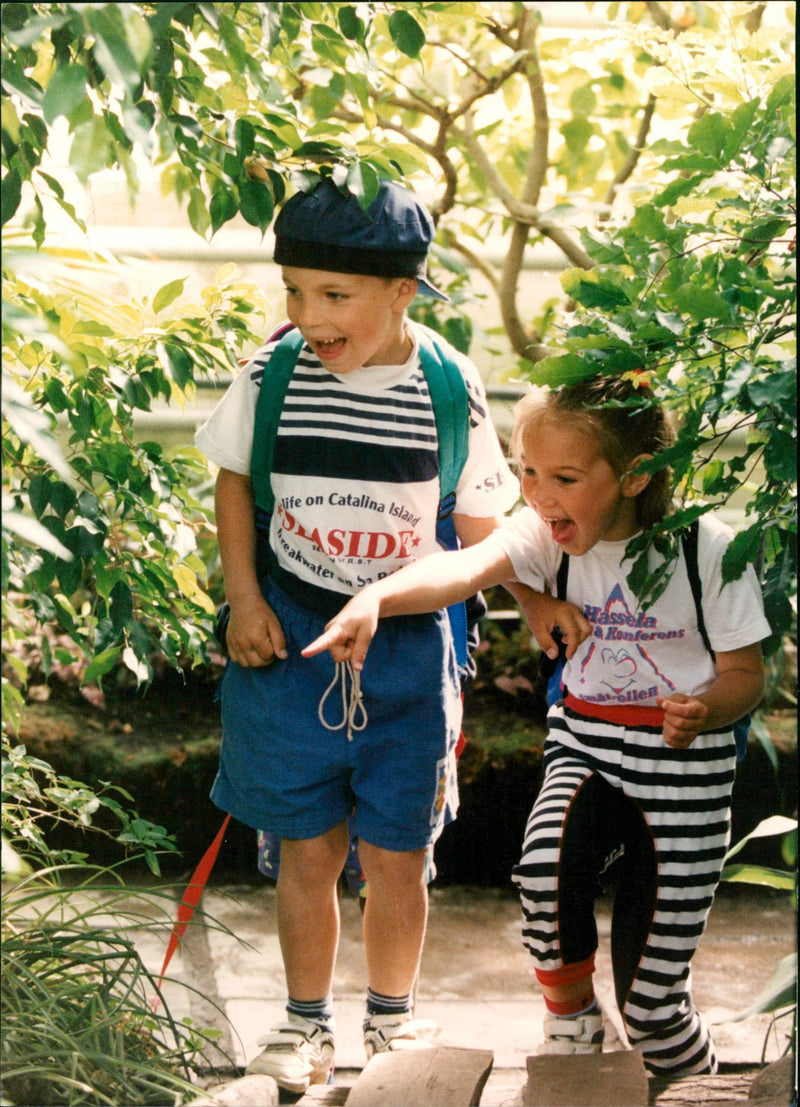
column 327, row 348
column 562, row 530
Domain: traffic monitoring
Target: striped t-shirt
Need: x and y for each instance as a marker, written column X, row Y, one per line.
column 355, row 467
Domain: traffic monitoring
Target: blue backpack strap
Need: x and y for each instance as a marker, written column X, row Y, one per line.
column 274, row 384
column 554, row 669
column 689, row 542
column 450, row 402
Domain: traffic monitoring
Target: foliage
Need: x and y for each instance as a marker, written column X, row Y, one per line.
column 653, row 154
column 695, row 296
column 780, row 992
column 78, row 1022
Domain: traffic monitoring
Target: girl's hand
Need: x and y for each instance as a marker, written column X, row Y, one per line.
column 684, row 718
column 254, row 637
column 544, row 613
column 349, row 633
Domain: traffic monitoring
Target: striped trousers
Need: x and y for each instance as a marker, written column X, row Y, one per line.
column 620, row 809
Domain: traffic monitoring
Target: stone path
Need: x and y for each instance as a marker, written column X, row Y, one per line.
column 477, row 982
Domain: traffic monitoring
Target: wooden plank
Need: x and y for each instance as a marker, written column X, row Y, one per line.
column 444, row 1076
column 701, row 1091
column 616, row 1079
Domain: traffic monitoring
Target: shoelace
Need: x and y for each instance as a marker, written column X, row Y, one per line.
column 352, row 705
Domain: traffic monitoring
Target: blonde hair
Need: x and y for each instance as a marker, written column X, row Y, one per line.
column 625, row 422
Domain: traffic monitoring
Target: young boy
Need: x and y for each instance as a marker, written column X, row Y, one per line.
column 355, row 477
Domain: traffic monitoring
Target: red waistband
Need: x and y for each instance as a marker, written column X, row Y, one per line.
column 627, row 714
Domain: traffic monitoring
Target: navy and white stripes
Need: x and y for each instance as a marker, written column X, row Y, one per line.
column 610, row 790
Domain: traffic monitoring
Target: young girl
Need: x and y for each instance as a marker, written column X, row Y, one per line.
column 640, row 757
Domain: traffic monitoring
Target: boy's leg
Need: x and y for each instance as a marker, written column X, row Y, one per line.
column 299, row 1052
column 395, row 917
column 308, row 911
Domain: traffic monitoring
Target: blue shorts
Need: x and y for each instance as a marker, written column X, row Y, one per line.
column 282, row 768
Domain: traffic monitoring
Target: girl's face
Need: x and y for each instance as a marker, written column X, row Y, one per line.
column 350, row 320
column 571, row 486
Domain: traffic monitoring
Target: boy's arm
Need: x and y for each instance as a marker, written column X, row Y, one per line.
column 542, row 611
column 254, row 636
column 738, row 687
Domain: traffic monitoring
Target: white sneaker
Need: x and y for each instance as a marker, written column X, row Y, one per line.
column 386, row 1033
column 583, row 1034
column 296, row 1053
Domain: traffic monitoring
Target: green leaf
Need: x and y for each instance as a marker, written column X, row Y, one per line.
column 168, row 294
column 120, row 605
column 702, row 303
column 593, row 290
column 10, row 194
column 177, row 362
column 363, row 182
column 66, row 91
column 101, row 664
column 256, row 204
column 767, row 828
column 406, row 33
column 223, row 206
column 760, row 875
column 245, row 137
column 350, row 24
column 197, row 211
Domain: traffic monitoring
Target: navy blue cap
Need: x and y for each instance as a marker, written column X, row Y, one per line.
column 326, row 229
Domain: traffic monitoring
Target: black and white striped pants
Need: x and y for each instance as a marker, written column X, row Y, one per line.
column 619, row 807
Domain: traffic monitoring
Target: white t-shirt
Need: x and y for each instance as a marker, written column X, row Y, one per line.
column 355, row 470
column 636, row 656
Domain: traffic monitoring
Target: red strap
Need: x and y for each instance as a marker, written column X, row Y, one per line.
column 630, row 715
column 191, row 898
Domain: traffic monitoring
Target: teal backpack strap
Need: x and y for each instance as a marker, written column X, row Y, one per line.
column 274, row 384
column 450, row 402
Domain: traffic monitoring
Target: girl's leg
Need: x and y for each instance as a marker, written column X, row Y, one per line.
column 688, row 825
column 308, row 911
column 568, row 841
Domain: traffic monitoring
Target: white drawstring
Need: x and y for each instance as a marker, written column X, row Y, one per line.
column 350, row 707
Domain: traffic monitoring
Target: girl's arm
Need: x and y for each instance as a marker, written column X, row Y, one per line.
column 254, row 636
column 543, row 612
column 435, row 581
column 737, row 689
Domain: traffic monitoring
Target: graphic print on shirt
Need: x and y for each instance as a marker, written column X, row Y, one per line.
column 355, row 472
column 624, row 671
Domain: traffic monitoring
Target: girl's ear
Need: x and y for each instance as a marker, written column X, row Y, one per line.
column 632, row 482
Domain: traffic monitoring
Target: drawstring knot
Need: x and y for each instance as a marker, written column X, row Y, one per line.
column 352, row 705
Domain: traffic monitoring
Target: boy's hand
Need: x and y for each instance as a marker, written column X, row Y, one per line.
column 684, row 719
column 349, row 633
column 254, row 637
column 545, row 613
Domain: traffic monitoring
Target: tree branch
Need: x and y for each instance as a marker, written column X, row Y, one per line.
column 632, row 159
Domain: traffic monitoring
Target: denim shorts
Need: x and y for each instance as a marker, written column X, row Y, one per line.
column 284, row 767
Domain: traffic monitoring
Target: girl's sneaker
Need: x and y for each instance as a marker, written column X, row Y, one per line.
column 386, row 1033
column 582, row 1034
column 296, row 1053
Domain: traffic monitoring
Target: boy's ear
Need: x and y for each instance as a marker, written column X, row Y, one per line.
column 632, row 482
column 406, row 291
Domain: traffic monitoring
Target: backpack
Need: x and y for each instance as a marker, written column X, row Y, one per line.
column 552, row 669
column 450, row 402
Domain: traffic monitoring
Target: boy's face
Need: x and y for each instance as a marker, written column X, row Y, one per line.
column 350, row 320
column 568, row 482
